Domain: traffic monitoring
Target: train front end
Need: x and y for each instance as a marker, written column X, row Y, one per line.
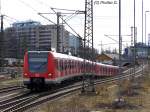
column 37, row 69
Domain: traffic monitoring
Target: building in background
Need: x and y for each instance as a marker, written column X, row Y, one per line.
column 32, row 35
column 74, row 44
column 108, row 58
column 141, row 51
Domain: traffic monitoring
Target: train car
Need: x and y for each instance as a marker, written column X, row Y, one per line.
column 43, row 68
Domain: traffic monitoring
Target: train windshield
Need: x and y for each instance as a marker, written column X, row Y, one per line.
column 38, row 62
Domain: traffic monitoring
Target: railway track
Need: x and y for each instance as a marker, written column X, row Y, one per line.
column 19, row 103
column 10, row 88
column 24, row 103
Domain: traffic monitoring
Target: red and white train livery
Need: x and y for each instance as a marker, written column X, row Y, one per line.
column 43, row 68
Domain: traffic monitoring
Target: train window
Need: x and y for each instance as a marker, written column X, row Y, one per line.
column 66, row 63
column 103, row 70
column 82, row 65
column 58, row 64
column 79, row 64
column 61, row 65
column 75, row 64
column 38, row 62
column 72, row 64
column 69, row 64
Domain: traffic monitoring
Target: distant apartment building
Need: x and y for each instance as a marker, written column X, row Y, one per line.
column 31, row 35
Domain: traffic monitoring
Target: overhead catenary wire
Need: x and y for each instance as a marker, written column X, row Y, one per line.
column 67, row 23
column 26, row 4
column 73, row 15
column 40, row 2
column 46, row 18
column 113, row 39
column 66, row 9
column 11, row 18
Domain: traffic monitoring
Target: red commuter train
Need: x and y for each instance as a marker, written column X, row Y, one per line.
column 43, row 68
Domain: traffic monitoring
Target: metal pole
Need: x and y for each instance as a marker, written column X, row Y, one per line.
column 145, row 27
column 84, row 52
column 0, row 7
column 120, row 48
column 58, row 31
column 142, row 40
column 1, row 40
column 146, row 31
column 88, row 44
column 120, row 38
column 93, row 53
column 142, row 22
column 134, row 41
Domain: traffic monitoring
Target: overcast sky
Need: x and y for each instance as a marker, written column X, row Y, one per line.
column 105, row 17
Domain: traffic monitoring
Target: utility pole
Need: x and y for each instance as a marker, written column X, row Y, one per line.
column 134, row 41
column 142, row 40
column 58, row 33
column 1, row 40
column 120, row 48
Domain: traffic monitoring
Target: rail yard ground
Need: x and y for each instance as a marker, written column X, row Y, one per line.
column 10, row 78
column 8, row 81
column 137, row 101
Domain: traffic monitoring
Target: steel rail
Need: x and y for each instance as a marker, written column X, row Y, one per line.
column 11, row 88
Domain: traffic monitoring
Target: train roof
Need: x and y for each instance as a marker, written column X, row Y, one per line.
column 65, row 56
column 60, row 55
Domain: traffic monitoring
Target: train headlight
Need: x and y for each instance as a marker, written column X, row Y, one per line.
column 25, row 74
column 49, row 74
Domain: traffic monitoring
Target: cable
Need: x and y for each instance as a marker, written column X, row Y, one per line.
column 11, row 18
column 40, row 2
column 46, row 18
column 113, row 39
column 66, row 9
column 26, row 4
column 73, row 15
column 67, row 23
